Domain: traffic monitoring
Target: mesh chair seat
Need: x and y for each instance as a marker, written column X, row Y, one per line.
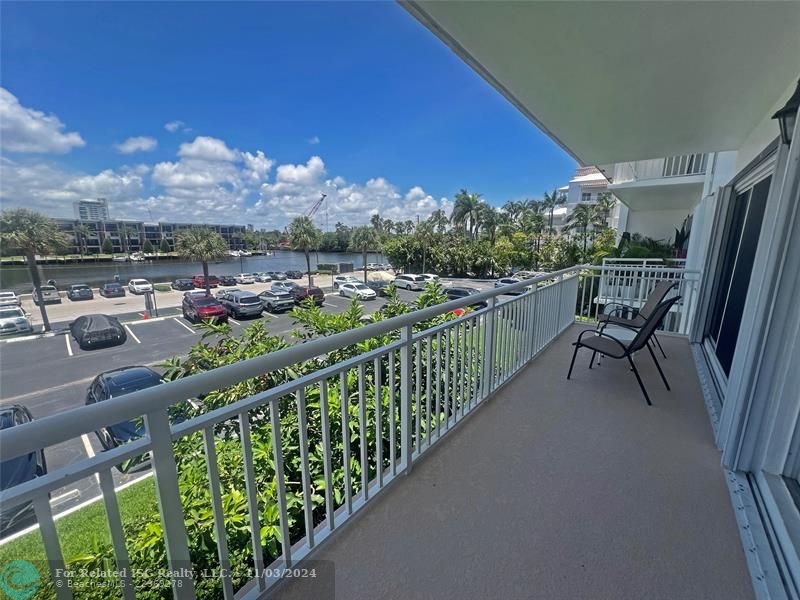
column 604, row 345
column 636, row 322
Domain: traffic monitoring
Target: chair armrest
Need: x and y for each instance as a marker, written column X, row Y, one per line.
column 620, row 309
column 622, row 346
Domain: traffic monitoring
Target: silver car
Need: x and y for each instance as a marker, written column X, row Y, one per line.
column 49, row 294
column 9, row 299
column 14, row 320
column 241, row 304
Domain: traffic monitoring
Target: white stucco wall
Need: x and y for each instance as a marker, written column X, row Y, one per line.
column 657, row 224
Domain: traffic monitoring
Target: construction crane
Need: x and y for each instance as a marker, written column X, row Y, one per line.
column 313, row 210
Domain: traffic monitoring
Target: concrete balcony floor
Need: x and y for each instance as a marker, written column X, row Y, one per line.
column 556, row 489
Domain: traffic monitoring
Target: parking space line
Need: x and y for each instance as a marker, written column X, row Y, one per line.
column 74, row 493
column 87, row 445
column 184, row 325
column 69, row 347
column 234, row 320
column 133, row 335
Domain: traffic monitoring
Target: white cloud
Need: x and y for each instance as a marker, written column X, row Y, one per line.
column 314, row 140
column 27, row 130
column 174, row 126
column 140, row 143
column 302, row 174
column 207, row 148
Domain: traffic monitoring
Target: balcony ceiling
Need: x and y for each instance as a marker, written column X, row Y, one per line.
column 619, row 81
column 665, row 193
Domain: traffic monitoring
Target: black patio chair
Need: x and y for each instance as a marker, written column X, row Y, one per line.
column 612, row 347
column 639, row 317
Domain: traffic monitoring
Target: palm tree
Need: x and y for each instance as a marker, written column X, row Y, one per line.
column 550, row 202
column 32, row 233
column 439, row 220
column 605, row 205
column 377, row 222
column 81, row 233
column 584, row 216
column 201, row 244
column 364, row 239
column 465, row 211
column 305, row 236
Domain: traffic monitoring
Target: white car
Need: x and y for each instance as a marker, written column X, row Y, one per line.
column 9, row 299
column 506, row 281
column 262, row 277
column 373, row 266
column 408, row 281
column 244, row 278
column 139, row 286
column 357, row 290
column 14, row 320
column 430, row 277
column 340, row 279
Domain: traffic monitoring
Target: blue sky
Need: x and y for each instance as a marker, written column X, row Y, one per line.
column 397, row 122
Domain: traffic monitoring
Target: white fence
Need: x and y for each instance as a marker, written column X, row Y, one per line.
column 671, row 166
column 394, row 403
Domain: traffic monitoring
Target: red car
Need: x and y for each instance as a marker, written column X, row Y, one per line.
column 199, row 281
column 200, row 308
column 301, row 292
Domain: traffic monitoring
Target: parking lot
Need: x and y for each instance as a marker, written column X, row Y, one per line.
column 49, row 375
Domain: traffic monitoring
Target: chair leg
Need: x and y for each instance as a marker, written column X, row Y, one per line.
column 658, row 366
column 639, row 379
column 591, row 361
column 572, row 364
column 659, row 345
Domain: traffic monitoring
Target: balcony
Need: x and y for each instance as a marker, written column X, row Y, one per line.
column 465, row 463
column 662, row 183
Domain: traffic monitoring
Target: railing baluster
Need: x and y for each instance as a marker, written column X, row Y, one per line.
column 428, row 376
column 362, row 431
column 52, row 548
column 438, row 384
column 219, row 515
column 476, row 369
column 169, row 503
column 117, row 533
column 448, row 401
column 378, row 421
column 345, row 410
column 463, row 342
column 305, row 470
column 406, row 334
column 418, row 395
column 470, row 365
column 392, row 414
column 252, row 494
column 277, row 455
column 326, row 453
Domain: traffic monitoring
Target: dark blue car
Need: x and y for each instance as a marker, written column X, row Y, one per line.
column 18, row 470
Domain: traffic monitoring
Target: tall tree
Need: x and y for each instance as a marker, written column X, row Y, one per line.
column 583, row 217
column 466, row 211
column 32, row 233
column 364, row 239
column 81, row 232
column 305, row 236
column 164, row 247
column 439, row 220
column 203, row 245
column 605, row 206
column 550, row 202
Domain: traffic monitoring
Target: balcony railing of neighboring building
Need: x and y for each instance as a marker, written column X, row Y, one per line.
column 427, row 380
column 671, row 166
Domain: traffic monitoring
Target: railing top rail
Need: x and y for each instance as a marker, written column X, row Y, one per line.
column 54, row 429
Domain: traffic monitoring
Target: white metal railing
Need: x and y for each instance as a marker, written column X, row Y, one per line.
column 395, row 402
column 629, row 283
column 671, row 166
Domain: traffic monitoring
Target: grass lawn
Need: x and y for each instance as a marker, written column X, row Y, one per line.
column 80, row 531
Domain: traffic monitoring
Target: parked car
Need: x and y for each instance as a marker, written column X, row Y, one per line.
column 97, row 331
column 227, row 280
column 139, row 286
column 283, row 286
column 277, row 275
column 429, row 277
column 196, row 293
column 49, row 294
column 9, row 299
column 340, row 279
column 80, row 291
column 262, row 277
column 454, row 293
column 276, row 299
column 14, row 320
column 506, row 281
column 373, row 266
column 294, row 274
column 200, row 308
column 199, row 281
column 357, row 290
column 241, row 304
column 409, row 281
column 182, row 285
column 379, row 282
column 245, row 278
column 301, row 292
column 119, row 382
column 112, row 289
column 15, row 471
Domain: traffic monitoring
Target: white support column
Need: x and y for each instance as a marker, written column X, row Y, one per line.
column 406, row 383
